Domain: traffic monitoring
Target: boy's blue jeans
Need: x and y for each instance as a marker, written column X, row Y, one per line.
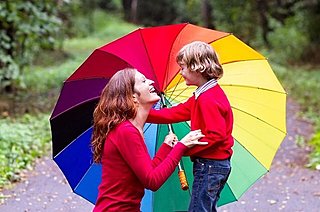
column 210, row 176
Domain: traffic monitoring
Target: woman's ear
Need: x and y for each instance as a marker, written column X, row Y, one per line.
column 135, row 99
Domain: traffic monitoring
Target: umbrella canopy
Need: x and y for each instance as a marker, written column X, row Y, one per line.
column 256, row 96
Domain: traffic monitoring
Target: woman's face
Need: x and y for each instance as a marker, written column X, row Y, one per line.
column 145, row 88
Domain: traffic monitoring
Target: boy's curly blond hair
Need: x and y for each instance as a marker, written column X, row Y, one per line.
column 200, row 57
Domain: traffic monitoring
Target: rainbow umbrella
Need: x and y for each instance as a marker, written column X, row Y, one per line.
column 257, row 98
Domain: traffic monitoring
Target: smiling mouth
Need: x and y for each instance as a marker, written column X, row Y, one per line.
column 152, row 90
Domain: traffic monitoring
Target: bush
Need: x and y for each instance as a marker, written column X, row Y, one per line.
column 314, row 157
column 25, row 27
column 288, row 41
column 21, row 142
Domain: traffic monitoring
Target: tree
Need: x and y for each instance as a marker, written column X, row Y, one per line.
column 130, row 8
column 25, row 28
column 151, row 13
column 263, row 9
column 207, row 14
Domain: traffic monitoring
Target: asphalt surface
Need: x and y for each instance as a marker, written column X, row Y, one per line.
column 289, row 186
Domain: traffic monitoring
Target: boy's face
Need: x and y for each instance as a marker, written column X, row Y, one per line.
column 192, row 77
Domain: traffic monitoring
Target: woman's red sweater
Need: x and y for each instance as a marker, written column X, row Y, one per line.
column 127, row 169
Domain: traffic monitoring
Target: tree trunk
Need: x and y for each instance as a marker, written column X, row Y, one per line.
column 206, row 11
column 134, row 8
column 262, row 7
column 126, row 5
column 130, row 8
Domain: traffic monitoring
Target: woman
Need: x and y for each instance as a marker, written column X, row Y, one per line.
column 118, row 143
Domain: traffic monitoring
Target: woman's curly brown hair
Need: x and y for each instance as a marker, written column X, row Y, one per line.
column 115, row 105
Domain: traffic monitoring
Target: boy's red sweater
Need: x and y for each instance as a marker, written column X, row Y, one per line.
column 211, row 112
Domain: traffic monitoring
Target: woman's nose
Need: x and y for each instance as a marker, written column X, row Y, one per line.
column 150, row 81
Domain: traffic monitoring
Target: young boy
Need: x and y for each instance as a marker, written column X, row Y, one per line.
column 209, row 110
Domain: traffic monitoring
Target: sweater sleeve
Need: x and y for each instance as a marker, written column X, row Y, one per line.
column 134, row 151
column 178, row 113
column 163, row 151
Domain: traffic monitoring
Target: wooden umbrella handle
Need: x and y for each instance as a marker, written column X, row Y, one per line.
column 183, row 179
column 181, row 174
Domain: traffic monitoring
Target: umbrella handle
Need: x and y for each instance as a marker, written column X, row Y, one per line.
column 183, row 179
column 181, row 174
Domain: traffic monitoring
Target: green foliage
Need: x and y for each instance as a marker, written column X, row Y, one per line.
column 314, row 157
column 40, row 79
column 303, row 85
column 25, row 28
column 76, row 16
column 21, row 142
column 192, row 11
column 237, row 17
column 288, row 41
column 152, row 13
column 112, row 5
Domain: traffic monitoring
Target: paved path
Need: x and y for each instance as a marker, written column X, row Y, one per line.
column 288, row 187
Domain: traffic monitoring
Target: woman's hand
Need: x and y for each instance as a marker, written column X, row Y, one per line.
column 171, row 139
column 192, row 138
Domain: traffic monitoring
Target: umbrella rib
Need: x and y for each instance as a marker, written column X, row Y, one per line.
column 258, row 119
column 266, row 144
column 85, row 78
column 72, row 142
column 247, row 100
column 244, row 173
column 248, row 86
column 172, row 99
column 236, row 61
column 232, row 192
column 82, row 178
column 168, row 60
column 251, row 154
column 181, row 91
column 149, row 125
column 166, row 72
column 78, row 104
column 146, row 49
column 222, row 37
column 244, row 129
column 175, row 87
